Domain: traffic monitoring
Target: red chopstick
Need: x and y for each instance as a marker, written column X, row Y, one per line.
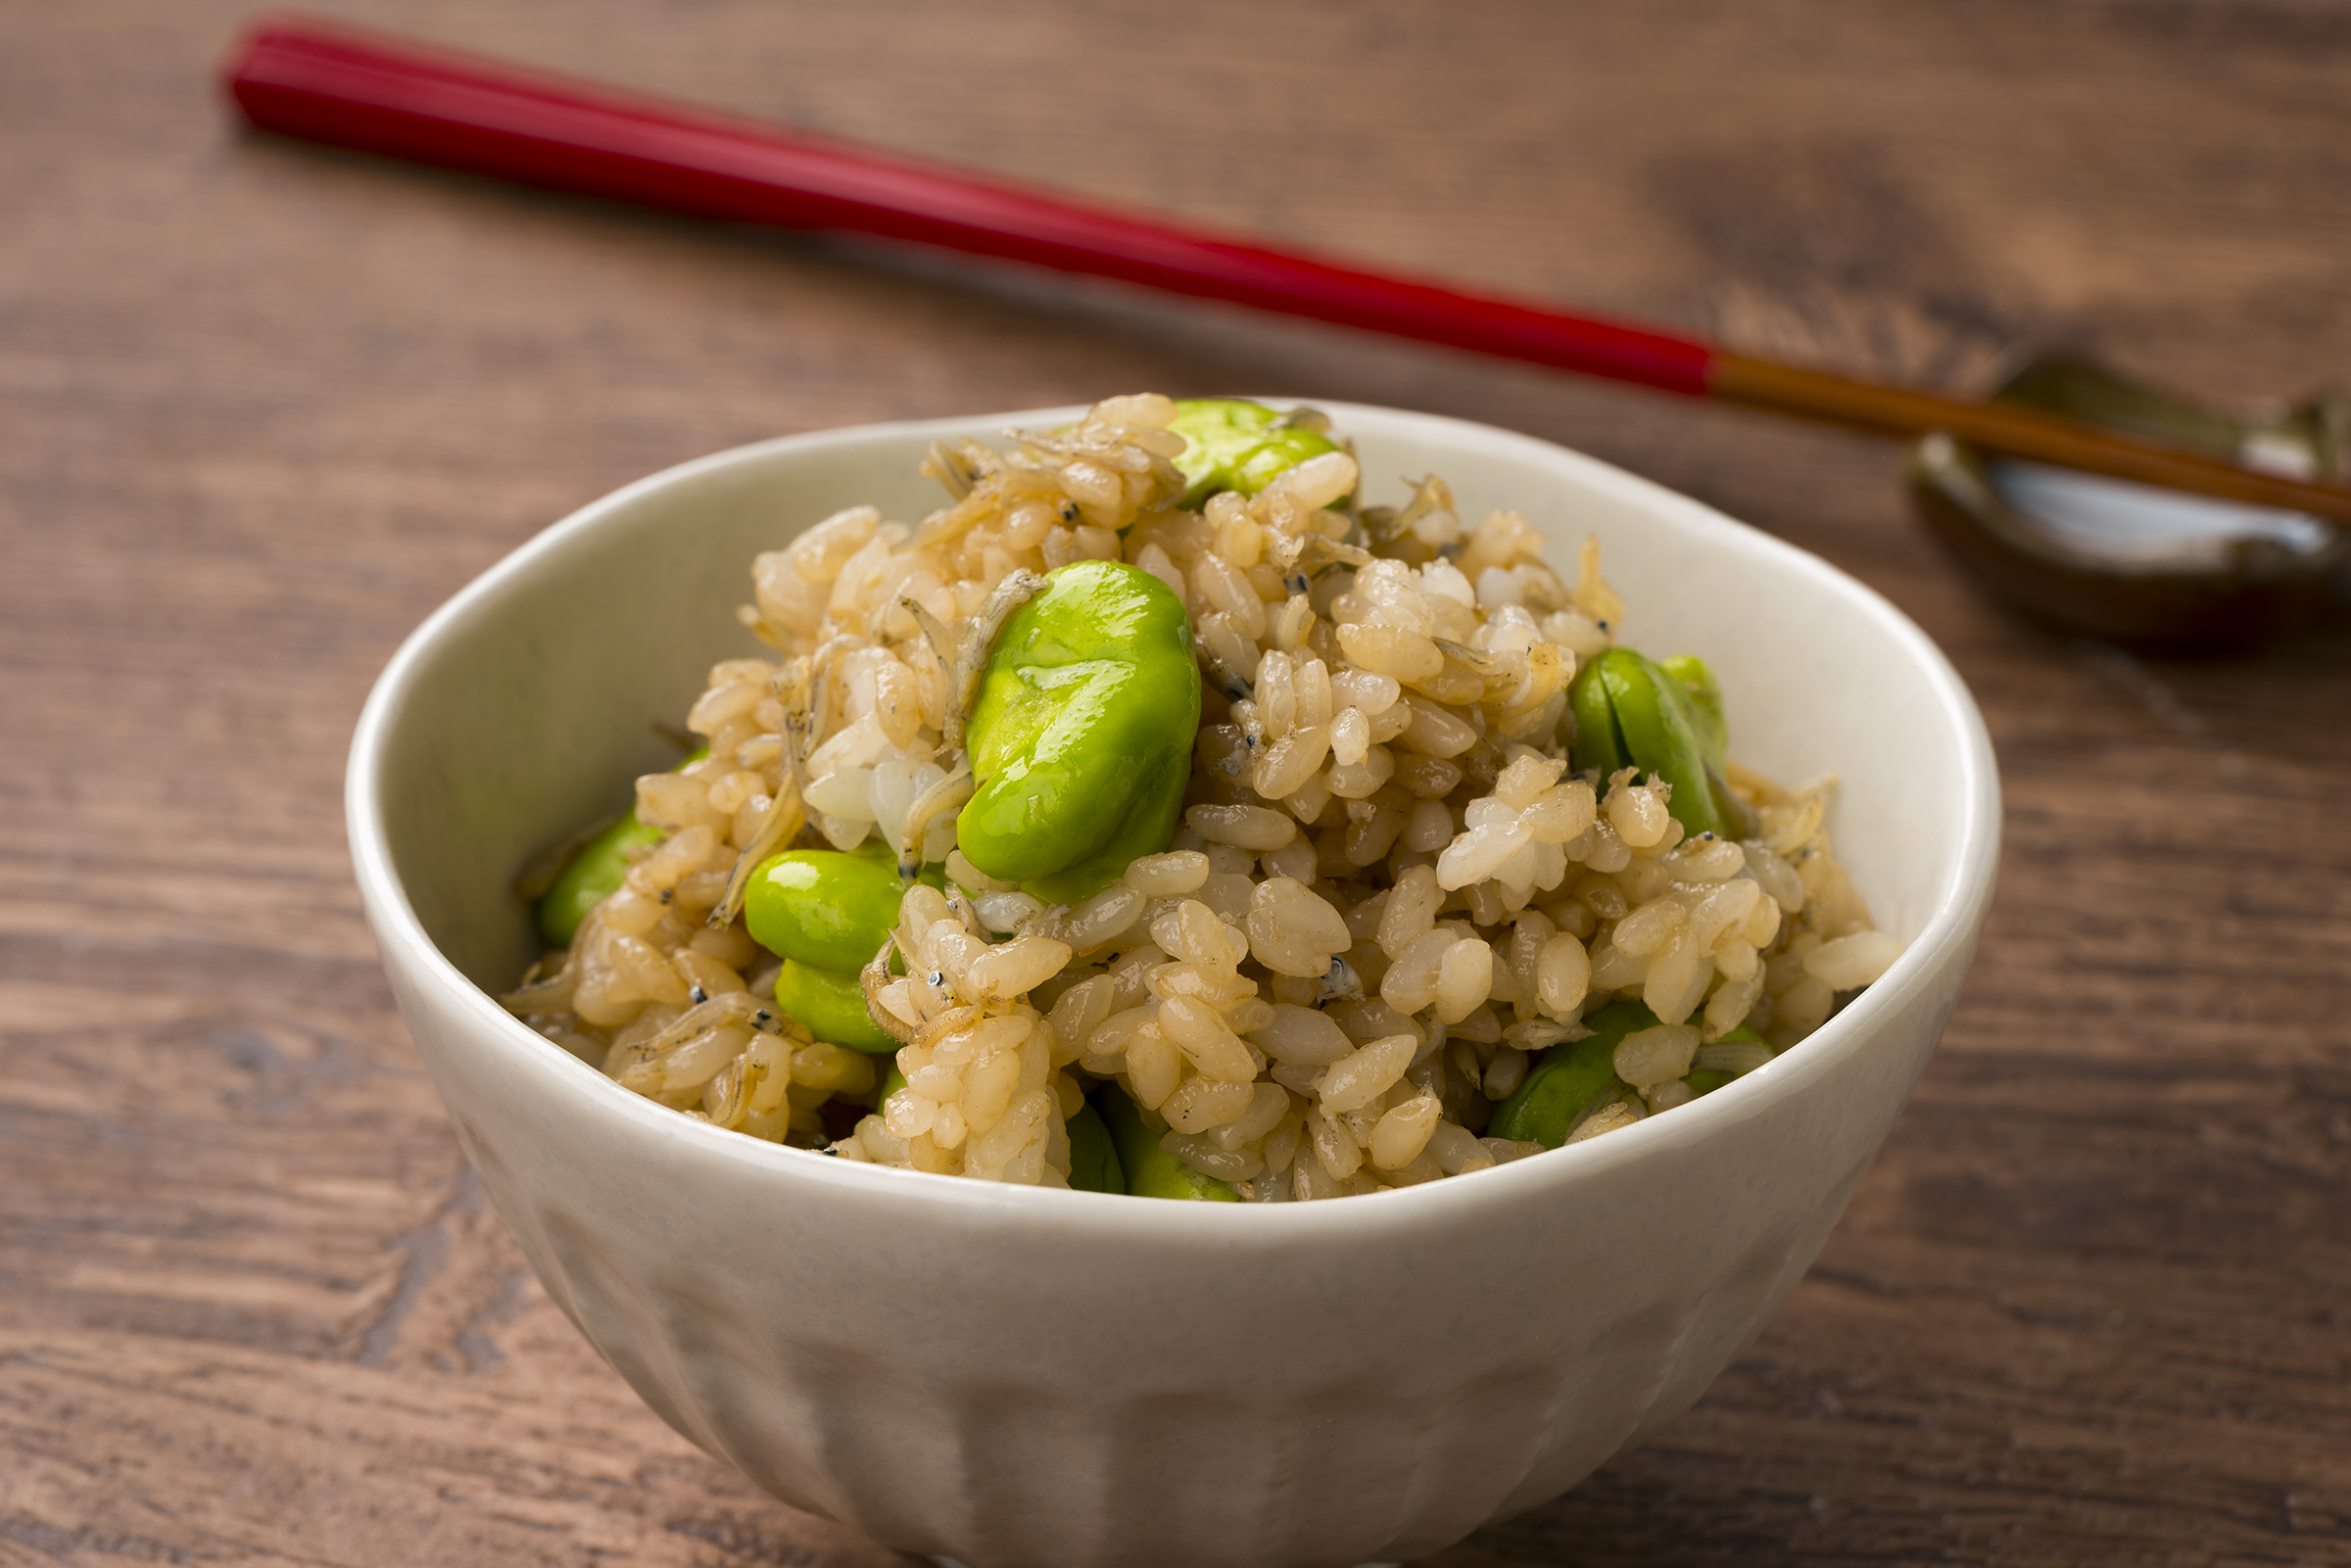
column 326, row 84
column 330, row 84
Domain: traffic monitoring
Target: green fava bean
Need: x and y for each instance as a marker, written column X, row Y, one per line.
column 1150, row 1170
column 1704, row 704
column 823, row 907
column 1094, row 1161
column 831, row 1004
column 597, row 870
column 1082, row 732
column 1240, row 446
column 591, row 876
column 1706, row 709
column 1706, row 1080
column 1568, row 1078
column 1631, row 714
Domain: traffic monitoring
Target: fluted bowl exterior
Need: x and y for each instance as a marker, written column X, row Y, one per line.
column 1020, row 1378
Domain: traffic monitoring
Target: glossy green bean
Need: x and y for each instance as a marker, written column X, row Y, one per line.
column 596, row 871
column 831, row 1004
column 591, row 876
column 1563, row 1083
column 824, row 908
column 1150, row 1170
column 1240, row 446
column 1082, row 732
column 1093, row 1159
column 1703, row 705
column 1629, row 713
column 1706, row 1080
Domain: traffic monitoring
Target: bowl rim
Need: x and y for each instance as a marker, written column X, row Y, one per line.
column 1947, row 936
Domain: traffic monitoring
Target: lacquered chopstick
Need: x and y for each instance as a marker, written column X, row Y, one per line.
column 329, row 84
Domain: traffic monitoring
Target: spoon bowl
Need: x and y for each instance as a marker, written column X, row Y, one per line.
column 2130, row 563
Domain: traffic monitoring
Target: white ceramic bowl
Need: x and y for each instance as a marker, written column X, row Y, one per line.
column 1025, row 1378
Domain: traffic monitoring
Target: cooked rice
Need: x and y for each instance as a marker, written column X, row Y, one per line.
column 1387, row 893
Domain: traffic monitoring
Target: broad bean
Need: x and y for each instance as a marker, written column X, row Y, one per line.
column 1630, row 713
column 1238, row 446
column 1705, row 696
column 831, row 1004
column 1558, row 1087
column 1706, row 1080
column 823, row 907
column 1150, row 1170
column 826, row 913
column 597, row 870
column 1093, row 1161
column 591, row 876
column 1082, row 732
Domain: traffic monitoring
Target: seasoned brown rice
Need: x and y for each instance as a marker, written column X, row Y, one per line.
column 1387, row 896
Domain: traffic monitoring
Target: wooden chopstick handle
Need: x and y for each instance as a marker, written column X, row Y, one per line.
column 2010, row 431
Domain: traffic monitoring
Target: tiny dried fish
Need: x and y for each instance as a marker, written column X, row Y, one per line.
column 783, row 819
column 1016, row 589
column 871, row 979
column 820, row 685
column 1339, row 984
column 729, row 1095
column 553, row 993
column 950, row 469
column 1540, row 1035
column 963, row 911
column 948, row 794
column 1235, row 686
column 730, row 1006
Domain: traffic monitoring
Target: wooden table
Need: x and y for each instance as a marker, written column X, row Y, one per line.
column 262, row 407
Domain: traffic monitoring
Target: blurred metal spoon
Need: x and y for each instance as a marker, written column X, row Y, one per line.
column 2126, row 562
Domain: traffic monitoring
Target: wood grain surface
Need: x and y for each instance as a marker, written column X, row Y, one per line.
column 262, row 407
